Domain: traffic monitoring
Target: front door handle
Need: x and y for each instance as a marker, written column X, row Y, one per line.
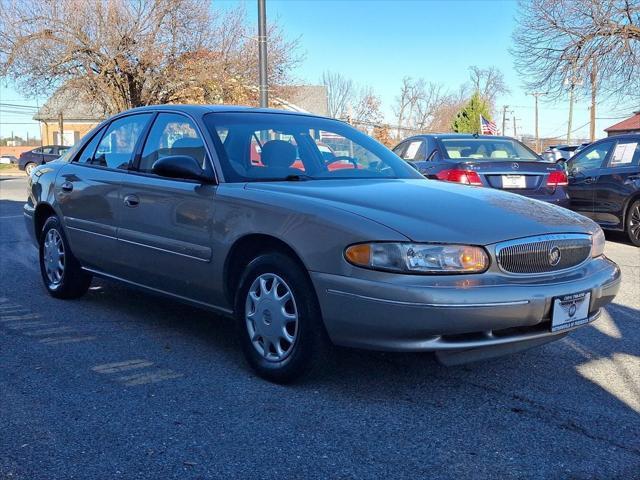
column 131, row 201
column 589, row 180
column 67, row 186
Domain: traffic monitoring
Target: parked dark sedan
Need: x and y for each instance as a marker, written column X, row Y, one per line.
column 604, row 184
column 38, row 156
column 487, row 161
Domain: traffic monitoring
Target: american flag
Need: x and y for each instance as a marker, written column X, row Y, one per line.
column 487, row 127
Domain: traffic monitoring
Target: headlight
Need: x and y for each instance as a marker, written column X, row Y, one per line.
column 418, row 258
column 597, row 243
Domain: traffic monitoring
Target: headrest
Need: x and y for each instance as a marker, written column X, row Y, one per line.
column 187, row 142
column 278, row 154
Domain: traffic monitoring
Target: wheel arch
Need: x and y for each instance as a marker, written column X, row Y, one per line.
column 42, row 212
column 627, row 208
column 245, row 249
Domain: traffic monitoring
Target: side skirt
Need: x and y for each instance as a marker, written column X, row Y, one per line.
column 227, row 312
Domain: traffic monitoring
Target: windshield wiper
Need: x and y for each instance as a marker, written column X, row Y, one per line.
column 297, row 178
column 289, row 178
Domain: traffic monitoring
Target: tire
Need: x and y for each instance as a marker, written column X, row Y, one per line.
column 61, row 272
column 28, row 168
column 633, row 223
column 258, row 315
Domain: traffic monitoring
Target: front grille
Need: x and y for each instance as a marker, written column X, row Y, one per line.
column 539, row 254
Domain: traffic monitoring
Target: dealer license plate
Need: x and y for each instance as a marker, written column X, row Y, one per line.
column 570, row 311
column 514, row 181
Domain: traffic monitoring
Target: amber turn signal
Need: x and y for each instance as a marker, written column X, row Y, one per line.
column 359, row 254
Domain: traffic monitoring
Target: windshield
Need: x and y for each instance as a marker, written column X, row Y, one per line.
column 483, row 149
column 272, row 146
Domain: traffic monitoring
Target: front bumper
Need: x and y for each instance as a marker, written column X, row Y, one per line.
column 440, row 313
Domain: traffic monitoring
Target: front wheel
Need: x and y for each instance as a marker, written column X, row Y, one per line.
column 279, row 322
column 62, row 274
column 633, row 223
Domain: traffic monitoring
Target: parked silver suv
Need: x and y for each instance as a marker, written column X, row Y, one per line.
column 241, row 212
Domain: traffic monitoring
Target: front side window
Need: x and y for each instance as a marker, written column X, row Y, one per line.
column 272, row 146
column 487, row 149
column 48, row 150
column 86, row 156
column 172, row 134
column 589, row 158
column 117, row 146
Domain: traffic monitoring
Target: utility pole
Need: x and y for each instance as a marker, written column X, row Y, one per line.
column 61, row 128
column 504, row 118
column 515, row 132
column 571, row 82
column 535, row 96
column 262, row 52
column 594, row 91
column 569, row 123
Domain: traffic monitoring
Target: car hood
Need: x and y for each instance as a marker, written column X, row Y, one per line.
column 434, row 211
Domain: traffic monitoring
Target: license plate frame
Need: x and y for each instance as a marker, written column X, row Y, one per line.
column 513, row 182
column 570, row 310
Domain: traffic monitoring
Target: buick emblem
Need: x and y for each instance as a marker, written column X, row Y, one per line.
column 554, row 256
column 515, row 166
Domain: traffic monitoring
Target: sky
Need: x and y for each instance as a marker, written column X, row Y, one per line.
column 377, row 43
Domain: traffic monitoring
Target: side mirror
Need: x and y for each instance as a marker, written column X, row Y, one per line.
column 179, row 166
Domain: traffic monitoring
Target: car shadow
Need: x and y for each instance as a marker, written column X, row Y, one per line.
column 367, row 375
column 617, row 237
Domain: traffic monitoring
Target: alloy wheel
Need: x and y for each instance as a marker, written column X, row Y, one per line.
column 271, row 317
column 29, row 168
column 634, row 222
column 53, row 257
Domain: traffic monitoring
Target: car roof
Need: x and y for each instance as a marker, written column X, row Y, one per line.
column 460, row 136
column 204, row 109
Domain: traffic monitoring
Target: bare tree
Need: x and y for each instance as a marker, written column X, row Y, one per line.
column 488, row 82
column 366, row 107
column 406, row 101
column 128, row 53
column 560, row 41
column 341, row 93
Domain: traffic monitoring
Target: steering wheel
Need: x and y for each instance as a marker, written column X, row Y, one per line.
column 342, row 158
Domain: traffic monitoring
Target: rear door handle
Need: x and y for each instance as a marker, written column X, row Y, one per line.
column 67, row 186
column 131, row 201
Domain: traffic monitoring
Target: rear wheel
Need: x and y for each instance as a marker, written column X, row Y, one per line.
column 279, row 322
column 61, row 272
column 29, row 168
column 633, row 223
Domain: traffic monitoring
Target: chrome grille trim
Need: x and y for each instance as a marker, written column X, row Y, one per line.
column 530, row 256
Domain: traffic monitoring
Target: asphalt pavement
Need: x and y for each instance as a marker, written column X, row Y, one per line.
column 121, row 384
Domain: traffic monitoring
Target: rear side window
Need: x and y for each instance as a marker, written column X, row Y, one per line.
column 172, row 134
column 117, row 146
column 399, row 149
column 48, row 150
column 626, row 154
column 415, row 151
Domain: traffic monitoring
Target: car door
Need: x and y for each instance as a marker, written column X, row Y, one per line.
column 616, row 181
column 582, row 172
column 87, row 191
column 166, row 224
